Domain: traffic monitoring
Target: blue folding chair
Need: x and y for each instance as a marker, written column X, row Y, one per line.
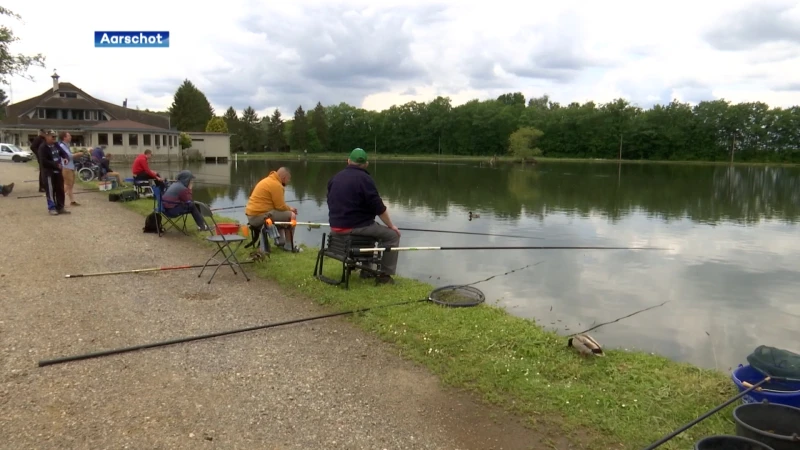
column 179, row 223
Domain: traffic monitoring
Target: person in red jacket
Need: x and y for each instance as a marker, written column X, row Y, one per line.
column 141, row 170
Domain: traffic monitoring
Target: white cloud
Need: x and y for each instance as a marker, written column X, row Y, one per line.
column 268, row 54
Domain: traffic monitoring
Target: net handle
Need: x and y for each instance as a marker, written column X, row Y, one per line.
column 475, row 302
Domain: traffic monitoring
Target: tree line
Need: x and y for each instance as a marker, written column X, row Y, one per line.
column 709, row 131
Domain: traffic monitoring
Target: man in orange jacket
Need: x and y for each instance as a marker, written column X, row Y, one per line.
column 267, row 202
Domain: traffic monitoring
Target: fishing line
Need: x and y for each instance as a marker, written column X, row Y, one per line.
column 623, row 317
column 503, row 274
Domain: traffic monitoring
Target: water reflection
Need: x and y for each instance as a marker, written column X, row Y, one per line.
column 730, row 277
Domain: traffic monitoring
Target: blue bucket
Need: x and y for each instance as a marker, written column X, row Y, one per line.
column 780, row 392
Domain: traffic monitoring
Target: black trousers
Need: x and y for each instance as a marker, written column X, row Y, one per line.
column 54, row 190
column 42, row 186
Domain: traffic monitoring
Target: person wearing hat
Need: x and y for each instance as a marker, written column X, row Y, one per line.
column 50, row 161
column 177, row 200
column 353, row 203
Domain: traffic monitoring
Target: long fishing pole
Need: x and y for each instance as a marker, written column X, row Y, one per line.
column 319, row 224
column 680, row 430
column 43, row 195
column 50, row 362
column 410, row 249
column 149, row 269
column 243, row 206
column 211, row 335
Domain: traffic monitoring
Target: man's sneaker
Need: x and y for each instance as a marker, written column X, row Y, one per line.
column 75, row 204
column 52, row 212
column 384, row 279
column 63, row 211
column 7, row 189
column 293, row 250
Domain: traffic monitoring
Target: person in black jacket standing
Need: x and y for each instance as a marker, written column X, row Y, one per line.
column 37, row 142
column 50, row 156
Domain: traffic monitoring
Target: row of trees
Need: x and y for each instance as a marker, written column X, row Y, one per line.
column 711, row 130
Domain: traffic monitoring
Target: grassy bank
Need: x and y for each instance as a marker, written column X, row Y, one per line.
column 626, row 400
column 485, row 159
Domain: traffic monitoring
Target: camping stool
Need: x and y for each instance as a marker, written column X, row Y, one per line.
column 223, row 242
column 344, row 248
column 143, row 187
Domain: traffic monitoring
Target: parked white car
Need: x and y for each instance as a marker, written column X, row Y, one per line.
column 11, row 152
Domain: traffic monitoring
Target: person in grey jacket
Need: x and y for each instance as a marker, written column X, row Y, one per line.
column 177, row 200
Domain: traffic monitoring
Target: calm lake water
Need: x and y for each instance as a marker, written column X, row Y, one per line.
column 730, row 278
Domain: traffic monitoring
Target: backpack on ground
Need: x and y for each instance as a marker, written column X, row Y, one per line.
column 152, row 223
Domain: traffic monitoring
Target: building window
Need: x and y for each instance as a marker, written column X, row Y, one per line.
column 77, row 114
column 117, row 138
column 102, row 139
column 158, row 140
column 171, row 140
column 68, row 95
column 51, row 114
column 146, row 140
column 133, row 140
column 40, row 113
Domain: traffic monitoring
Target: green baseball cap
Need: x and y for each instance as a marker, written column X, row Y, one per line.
column 358, row 156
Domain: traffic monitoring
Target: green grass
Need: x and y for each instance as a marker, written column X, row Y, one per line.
column 626, row 400
column 485, row 159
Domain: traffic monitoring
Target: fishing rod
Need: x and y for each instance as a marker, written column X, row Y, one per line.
column 44, row 195
column 318, row 225
column 149, row 269
column 410, row 249
column 244, row 206
column 680, row 430
column 431, row 298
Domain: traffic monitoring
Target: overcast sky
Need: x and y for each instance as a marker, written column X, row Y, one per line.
column 270, row 54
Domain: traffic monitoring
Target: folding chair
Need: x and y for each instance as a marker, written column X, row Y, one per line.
column 223, row 242
column 179, row 223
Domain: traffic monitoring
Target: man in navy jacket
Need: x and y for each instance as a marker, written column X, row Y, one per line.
column 50, row 160
column 353, row 203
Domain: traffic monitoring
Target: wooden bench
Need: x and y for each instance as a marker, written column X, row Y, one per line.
column 340, row 247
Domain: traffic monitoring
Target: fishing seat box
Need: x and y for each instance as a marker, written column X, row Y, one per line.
column 340, row 247
column 124, row 196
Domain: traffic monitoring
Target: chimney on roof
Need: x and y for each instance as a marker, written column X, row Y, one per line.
column 55, row 80
column 125, row 103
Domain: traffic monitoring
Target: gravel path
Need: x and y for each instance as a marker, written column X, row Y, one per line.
column 318, row 385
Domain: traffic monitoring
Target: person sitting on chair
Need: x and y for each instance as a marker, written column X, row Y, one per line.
column 106, row 170
column 177, row 201
column 353, row 203
column 141, row 170
column 97, row 154
column 267, row 202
